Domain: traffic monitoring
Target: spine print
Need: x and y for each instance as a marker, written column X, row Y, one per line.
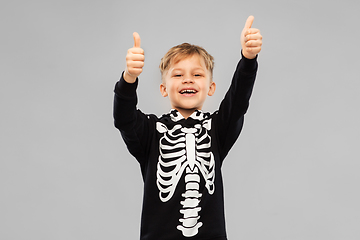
column 190, row 210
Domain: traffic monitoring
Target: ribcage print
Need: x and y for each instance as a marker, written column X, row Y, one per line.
column 186, row 150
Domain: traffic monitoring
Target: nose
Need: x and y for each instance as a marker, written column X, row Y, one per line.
column 188, row 79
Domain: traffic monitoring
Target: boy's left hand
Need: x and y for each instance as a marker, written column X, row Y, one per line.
column 251, row 40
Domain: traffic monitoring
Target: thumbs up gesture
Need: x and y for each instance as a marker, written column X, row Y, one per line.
column 134, row 60
column 251, row 40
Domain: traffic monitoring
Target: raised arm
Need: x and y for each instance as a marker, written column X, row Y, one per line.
column 132, row 123
column 236, row 101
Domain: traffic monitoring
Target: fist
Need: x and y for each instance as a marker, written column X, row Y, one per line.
column 134, row 60
column 251, row 40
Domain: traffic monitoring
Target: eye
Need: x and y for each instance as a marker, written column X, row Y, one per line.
column 177, row 75
column 198, row 75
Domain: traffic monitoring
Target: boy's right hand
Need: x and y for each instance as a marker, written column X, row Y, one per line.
column 134, row 60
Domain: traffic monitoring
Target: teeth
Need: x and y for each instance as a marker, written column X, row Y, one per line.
column 188, row 91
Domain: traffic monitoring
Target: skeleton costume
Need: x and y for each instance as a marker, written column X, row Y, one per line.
column 180, row 159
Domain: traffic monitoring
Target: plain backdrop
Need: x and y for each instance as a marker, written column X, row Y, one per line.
column 65, row 172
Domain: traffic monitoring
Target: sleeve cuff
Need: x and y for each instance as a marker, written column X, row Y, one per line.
column 124, row 88
column 248, row 64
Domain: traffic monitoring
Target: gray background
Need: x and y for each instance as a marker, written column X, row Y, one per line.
column 65, row 172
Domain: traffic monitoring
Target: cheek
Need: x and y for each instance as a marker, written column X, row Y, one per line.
column 205, row 86
column 172, row 87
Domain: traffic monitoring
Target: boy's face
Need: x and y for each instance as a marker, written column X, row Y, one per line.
column 187, row 83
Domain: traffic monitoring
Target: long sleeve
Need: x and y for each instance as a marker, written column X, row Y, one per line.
column 132, row 123
column 235, row 104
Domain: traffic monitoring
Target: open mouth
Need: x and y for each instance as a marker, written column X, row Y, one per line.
column 188, row 91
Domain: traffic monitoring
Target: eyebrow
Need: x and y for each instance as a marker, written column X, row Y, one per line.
column 198, row 68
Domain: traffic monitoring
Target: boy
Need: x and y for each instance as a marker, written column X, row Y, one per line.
column 181, row 153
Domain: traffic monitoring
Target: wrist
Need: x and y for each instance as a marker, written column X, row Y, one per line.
column 129, row 78
column 247, row 55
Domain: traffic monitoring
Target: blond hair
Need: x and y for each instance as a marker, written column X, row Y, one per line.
column 182, row 51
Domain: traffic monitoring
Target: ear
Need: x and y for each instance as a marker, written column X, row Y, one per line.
column 212, row 89
column 163, row 90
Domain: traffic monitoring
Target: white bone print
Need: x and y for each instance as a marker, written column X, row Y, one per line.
column 186, row 149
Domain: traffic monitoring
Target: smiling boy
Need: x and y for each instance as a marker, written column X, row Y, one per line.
column 181, row 153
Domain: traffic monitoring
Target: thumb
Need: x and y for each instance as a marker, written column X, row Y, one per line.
column 249, row 22
column 137, row 40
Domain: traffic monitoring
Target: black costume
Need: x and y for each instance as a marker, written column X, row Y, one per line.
column 181, row 159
